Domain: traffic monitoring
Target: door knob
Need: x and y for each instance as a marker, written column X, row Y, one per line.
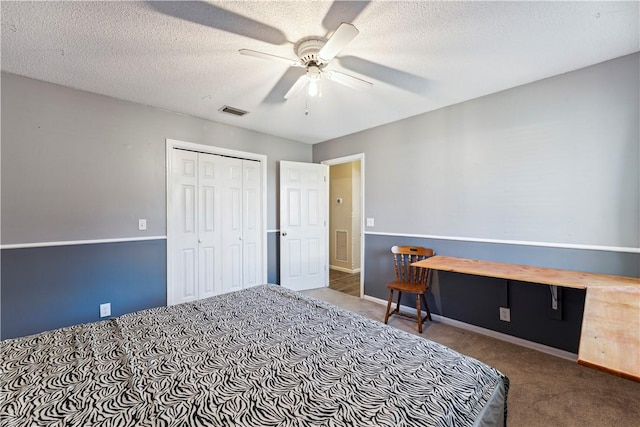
column 199, row 240
column 284, row 233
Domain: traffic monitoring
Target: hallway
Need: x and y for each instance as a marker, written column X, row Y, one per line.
column 345, row 282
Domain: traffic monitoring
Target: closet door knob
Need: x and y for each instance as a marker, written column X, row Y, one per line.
column 284, row 233
column 199, row 240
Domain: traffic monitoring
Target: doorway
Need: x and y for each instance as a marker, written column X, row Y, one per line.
column 346, row 239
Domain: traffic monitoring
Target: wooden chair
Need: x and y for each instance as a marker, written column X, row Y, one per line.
column 410, row 279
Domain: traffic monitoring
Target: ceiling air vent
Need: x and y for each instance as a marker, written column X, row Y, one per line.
column 235, row 111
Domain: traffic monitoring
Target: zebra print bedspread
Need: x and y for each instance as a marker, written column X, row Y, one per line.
column 264, row 356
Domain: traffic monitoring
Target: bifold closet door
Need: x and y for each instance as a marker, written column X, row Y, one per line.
column 242, row 224
column 217, row 225
column 232, row 225
column 196, row 245
column 209, row 225
column 252, row 233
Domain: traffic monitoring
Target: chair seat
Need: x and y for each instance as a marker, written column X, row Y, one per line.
column 415, row 288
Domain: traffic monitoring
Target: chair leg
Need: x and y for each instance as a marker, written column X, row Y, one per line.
column 397, row 310
column 419, row 314
column 426, row 306
column 386, row 316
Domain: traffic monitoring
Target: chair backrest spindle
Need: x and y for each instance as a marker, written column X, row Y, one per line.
column 403, row 257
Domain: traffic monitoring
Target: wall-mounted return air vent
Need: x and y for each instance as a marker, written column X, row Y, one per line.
column 235, row 111
column 342, row 245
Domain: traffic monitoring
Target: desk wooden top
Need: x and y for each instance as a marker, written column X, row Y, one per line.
column 610, row 336
column 525, row 273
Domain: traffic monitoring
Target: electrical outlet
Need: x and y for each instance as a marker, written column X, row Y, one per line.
column 371, row 222
column 505, row 314
column 142, row 224
column 105, row 309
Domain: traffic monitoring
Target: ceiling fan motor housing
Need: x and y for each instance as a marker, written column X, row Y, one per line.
column 307, row 50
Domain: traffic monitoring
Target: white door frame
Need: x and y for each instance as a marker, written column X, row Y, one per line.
column 349, row 159
column 173, row 143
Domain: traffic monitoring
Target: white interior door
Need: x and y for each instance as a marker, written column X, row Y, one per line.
column 303, row 225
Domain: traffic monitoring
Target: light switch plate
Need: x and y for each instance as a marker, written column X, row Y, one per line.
column 142, row 224
column 371, row 222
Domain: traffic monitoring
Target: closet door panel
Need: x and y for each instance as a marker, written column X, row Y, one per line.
column 252, row 223
column 208, row 283
column 187, row 266
column 209, row 224
column 232, row 224
column 250, row 266
column 184, row 212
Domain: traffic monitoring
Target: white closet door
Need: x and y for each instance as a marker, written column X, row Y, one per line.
column 232, row 224
column 215, row 224
column 252, row 224
column 209, row 225
column 184, row 257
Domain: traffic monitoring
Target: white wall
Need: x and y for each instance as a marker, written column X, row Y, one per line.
column 78, row 166
column 555, row 161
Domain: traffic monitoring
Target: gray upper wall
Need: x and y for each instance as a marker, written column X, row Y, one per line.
column 554, row 161
column 79, row 166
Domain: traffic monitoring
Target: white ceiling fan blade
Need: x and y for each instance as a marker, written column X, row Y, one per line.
column 347, row 80
column 340, row 38
column 297, row 86
column 262, row 55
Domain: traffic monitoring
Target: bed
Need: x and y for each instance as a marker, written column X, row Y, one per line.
column 264, row 356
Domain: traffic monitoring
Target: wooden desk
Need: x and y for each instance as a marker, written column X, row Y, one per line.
column 610, row 337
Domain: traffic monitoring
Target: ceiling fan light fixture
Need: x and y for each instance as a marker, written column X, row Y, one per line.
column 314, row 88
column 313, row 74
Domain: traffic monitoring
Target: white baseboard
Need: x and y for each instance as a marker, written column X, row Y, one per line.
column 487, row 332
column 344, row 270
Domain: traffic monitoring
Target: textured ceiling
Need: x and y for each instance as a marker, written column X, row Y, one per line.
column 420, row 55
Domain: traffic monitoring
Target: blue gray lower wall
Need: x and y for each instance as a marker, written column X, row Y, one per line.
column 476, row 300
column 46, row 288
column 51, row 287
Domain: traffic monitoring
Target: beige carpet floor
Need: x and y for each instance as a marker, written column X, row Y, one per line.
column 545, row 390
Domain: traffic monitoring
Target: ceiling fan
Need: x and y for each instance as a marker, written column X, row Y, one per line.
column 212, row 14
column 314, row 54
